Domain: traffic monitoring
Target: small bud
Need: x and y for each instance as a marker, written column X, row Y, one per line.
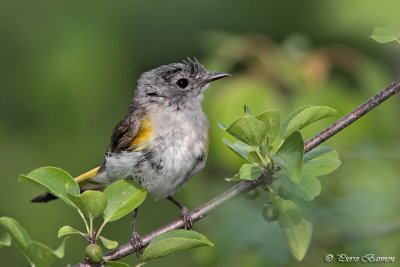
column 94, row 253
column 253, row 194
column 270, row 212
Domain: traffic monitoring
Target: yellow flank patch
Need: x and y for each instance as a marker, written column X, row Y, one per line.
column 140, row 141
column 87, row 175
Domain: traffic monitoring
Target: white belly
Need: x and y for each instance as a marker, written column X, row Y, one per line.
column 177, row 152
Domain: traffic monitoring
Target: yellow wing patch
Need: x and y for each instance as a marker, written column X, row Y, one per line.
column 87, row 175
column 139, row 142
column 144, row 135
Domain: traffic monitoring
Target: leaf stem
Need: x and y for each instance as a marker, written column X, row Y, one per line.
column 264, row 160
column 85, row 221
column 91, row 229
column 100, row 229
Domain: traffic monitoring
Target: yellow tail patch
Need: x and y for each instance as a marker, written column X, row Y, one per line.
column 87, row 175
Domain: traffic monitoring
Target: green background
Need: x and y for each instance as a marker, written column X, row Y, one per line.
column 68, row 70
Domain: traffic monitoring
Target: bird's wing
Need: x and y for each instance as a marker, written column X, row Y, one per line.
column 131, row 134
column 134, row 126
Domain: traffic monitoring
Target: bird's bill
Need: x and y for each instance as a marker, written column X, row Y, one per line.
column 213, row 76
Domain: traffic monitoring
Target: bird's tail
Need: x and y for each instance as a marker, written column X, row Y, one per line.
column 84, row 183
column 43, row 198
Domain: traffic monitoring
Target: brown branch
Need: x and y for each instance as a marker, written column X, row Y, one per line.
column 242, row 187
column 197, row 214
column 357, row 113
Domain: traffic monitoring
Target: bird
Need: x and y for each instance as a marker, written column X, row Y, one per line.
column 162, row 141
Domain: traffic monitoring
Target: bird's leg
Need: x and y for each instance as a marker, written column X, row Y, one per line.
column 185, row 213
column 135, row 239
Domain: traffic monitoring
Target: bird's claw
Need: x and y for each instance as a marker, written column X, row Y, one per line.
column 136, row 243
column 187, row 218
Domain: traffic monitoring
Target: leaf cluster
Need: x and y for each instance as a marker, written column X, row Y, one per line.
column 274, row 151
column 117, row 200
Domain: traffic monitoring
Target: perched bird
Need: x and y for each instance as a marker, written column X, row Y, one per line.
column 163, row 139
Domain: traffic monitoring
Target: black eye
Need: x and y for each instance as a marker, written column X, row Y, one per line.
column 182, row 83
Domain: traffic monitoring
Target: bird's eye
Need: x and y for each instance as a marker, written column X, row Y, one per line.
column 182, row 83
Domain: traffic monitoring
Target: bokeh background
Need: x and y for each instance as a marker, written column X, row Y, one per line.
column 68, row 70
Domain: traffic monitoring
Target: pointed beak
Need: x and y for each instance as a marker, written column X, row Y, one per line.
column 213, row 76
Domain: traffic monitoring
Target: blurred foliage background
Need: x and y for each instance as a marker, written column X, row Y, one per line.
column 68, row 70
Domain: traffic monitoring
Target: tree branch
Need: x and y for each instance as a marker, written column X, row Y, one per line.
column 245, row 186
column 357, row 113
column 197, row 214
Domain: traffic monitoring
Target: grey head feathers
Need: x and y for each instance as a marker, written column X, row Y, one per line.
column 178, row 84
column 190, row 67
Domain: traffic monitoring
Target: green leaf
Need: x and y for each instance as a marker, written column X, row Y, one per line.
column 90, row 203
column 248, row 130
column 42, row 255
column 386, row 34
column 117, row 264
column 107, row 243
column 253, row 157
column 320, row 161
column 307, row 189
column 290, row 157
column 222, row 126
column 250, row 171
column 16, row 230
column 123, row 197
column 272, row 121
column 173, row 242
column 5, row 240
column 55, row 180
column 285, row 122
column 241, row 149
column 37, row 254
column 292, row 211
column 68, row 230
column 60, row 251
column 295, row 226
column 247, row 110
column 236, row 177
column 301, row 117
column 256, row 130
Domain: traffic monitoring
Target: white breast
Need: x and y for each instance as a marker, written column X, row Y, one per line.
column 177, row 151
column 180, row 146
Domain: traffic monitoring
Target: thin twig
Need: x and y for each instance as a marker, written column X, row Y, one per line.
column 242, row 187
column 357, row 113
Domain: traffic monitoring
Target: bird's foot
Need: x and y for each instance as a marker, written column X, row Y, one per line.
column 185, row 213
column 136, row 243
column 187, row 218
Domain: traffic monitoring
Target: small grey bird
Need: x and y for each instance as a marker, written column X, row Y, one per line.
column 163, row 140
